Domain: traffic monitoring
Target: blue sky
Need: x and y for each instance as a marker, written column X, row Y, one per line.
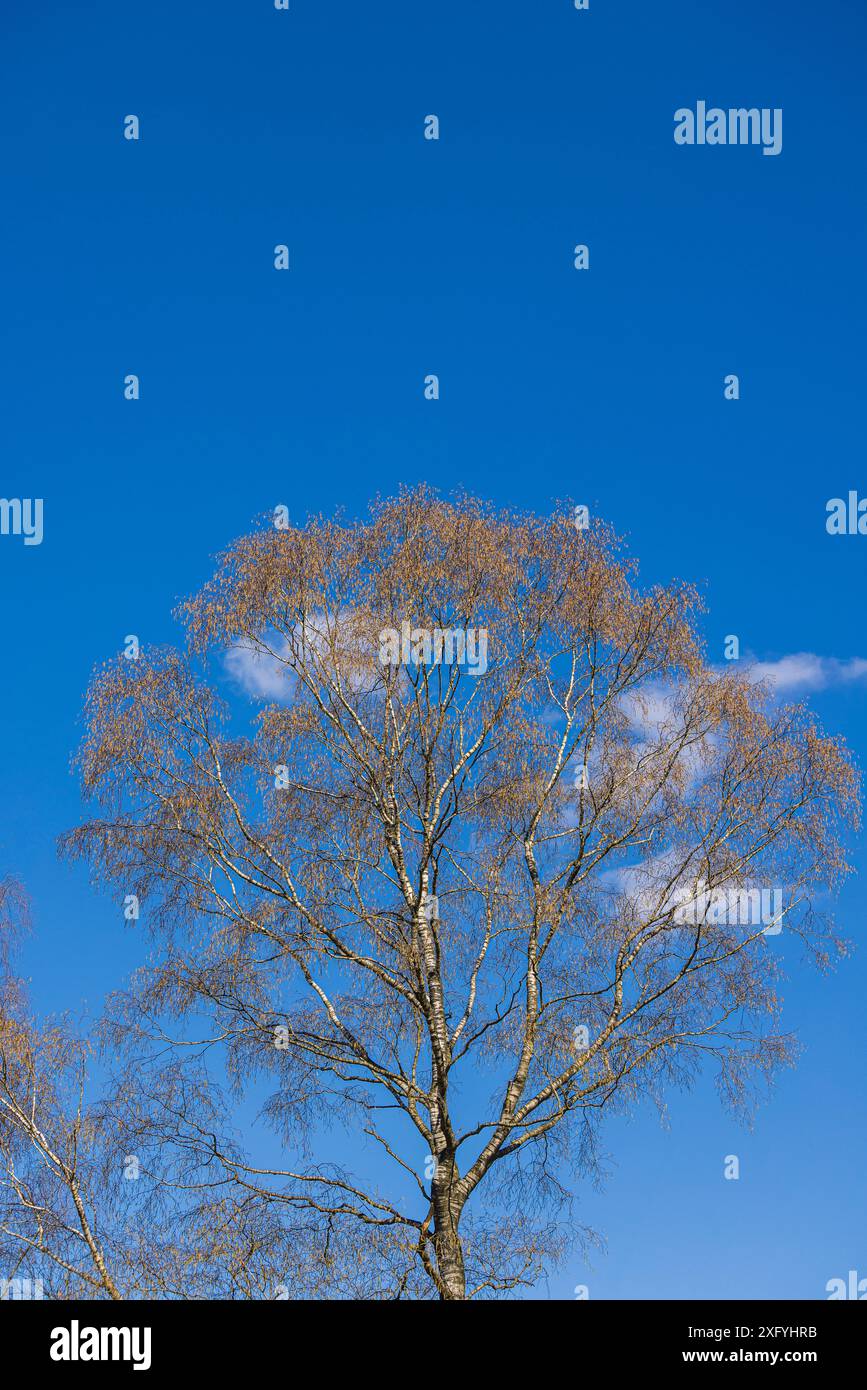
column 453, row 257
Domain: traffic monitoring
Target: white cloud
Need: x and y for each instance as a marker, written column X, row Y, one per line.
column 266, row 669
column 651, row 707
column 259, row 674
column 802, row 672
column 264, row 677
column 805, row 671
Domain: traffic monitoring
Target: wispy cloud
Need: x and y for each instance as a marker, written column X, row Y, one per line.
column 805, row 671
column 263, row 677
column 267, row 669
column 654, row 709
column 651, row 707
column 258, row 674
column 799, row 672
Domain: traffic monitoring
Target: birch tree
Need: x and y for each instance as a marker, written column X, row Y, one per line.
column 460, row 879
